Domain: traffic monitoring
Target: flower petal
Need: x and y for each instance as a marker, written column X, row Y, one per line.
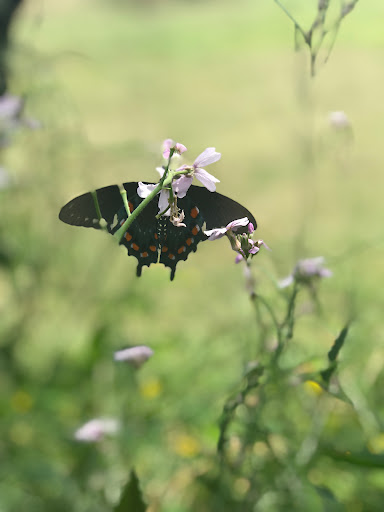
column 134, row 355
column 164, row 202
column 181, row 185
column 208, row 156
column 206, row 179
column 283, row 283
column 94, row 430
column 216, row 233
column 144, row 190
column 180, row 148
column 239, row 258
column 235, row 224
column 167, row 144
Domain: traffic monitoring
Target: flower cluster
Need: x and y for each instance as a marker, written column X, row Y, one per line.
column 243, row 244
column 306, row 272
column 180, row 179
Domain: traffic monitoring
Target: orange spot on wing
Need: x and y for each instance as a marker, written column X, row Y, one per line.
column 144, row 254
column 189, row 241
column 152, row 248
column 164, row 248
column 194, row 212
column 130, row 206
column 156, row 236
column 171, row 256
column 135, row 247
column 128, row 236
column 195, row 230
column 181, row 249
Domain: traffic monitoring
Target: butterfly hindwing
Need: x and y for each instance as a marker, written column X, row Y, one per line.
column 141, row 238
column 178, row 242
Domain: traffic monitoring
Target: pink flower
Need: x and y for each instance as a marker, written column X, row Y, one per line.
column 96, row 429
column 216, row 233
column 253, row 248
column 207, row 157
column 136, row 356
column 169, row 144
column 144, row 190
column 306, row 271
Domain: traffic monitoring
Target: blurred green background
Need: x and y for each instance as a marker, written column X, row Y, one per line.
column 109, row 81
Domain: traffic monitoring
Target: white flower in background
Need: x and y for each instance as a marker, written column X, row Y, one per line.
column 95, row 430
column 339, row 120
column 136, row 356
column 306, row 271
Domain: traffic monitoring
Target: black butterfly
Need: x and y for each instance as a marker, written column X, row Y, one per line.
column 148, row 237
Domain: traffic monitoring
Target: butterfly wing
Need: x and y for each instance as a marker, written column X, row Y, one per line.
column 219, row 210
column 140, row 239
column 81, row 211
column 178, row 242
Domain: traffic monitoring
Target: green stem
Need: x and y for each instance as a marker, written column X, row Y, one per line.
column 271, row 314
column 292, row 19
column 96, row 203
column 136, row 212
column 123, row 194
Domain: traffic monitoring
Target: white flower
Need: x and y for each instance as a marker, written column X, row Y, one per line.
column 95, row 430
column 144, row 190
column 216, row 233
column 306, row 271
column 169, row 144
column 207, row 157
column 339, row 120
column 136, row 356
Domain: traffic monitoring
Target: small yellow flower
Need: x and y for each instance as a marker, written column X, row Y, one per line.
column 313, row 387
column 185, row 445
column 151, row 388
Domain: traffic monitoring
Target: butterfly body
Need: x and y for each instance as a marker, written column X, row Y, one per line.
column 149, row 239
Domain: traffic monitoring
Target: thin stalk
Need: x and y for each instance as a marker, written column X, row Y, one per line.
column 136, row 212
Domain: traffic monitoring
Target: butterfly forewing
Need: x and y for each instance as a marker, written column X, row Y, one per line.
column 81, row 211
column 219, row 210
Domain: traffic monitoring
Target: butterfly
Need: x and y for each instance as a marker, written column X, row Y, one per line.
column 150, row 239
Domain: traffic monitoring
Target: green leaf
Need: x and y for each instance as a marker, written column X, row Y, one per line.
column 131, row 499
column 339, row 342
column 332, row 355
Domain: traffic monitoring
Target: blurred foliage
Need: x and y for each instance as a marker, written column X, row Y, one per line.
column 108, row 82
